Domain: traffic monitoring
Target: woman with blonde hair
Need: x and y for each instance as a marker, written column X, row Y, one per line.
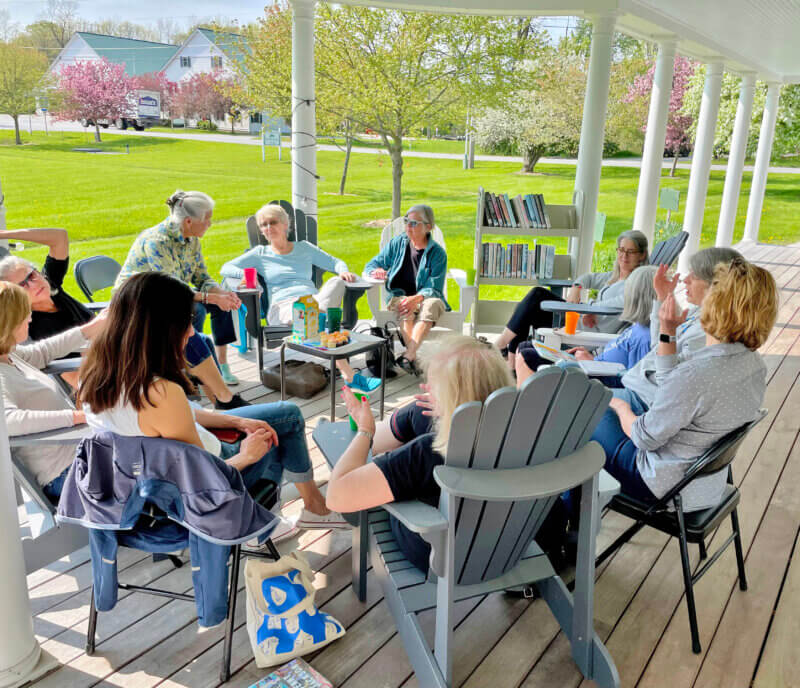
column 460, row 369
column 33, row 402
column 708, row 394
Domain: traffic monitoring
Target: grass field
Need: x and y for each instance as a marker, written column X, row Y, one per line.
column 105, row 200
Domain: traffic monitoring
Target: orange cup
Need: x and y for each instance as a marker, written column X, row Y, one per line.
column 571, row 322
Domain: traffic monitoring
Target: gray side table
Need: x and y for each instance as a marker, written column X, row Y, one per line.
column 359, row 343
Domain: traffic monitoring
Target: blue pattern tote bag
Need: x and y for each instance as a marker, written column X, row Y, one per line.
column 282, row 620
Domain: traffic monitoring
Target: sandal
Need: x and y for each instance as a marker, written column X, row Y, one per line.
column 409, row 366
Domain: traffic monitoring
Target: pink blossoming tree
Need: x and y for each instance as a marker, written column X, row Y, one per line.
column 157, row 81
column 205, row 96
column 678, row 123
column 93, row 90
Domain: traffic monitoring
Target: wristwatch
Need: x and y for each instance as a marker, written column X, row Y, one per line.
column 667, row 338
column 368, row 435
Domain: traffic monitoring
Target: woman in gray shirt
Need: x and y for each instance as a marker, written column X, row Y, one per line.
column 708, row 394
column 32, row 400
column 631, row 253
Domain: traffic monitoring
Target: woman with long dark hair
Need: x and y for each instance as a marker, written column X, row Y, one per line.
column 133, row 383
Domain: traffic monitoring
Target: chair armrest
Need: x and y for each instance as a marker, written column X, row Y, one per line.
column 529, row 482
column 583, row 308
column 62, row 365
column 459, row 277
column 417, row 516
column 96, row 306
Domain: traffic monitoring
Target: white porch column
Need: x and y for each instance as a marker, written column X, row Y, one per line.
column 304, row 121
column 644, row 218
column 701, row 163
column 19, row 649
column 733, row 175
column 763, row 154
column 590, row 150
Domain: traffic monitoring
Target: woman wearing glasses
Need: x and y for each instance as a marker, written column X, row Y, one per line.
column 287, row 269
column 52, row 310
column 414, row 267
column 631, row 253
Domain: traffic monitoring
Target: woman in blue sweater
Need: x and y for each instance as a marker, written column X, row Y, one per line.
column 287, row 269
column 415, row 268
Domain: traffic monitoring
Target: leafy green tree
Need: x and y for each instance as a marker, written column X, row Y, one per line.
column 389, row 71
column 21, row 72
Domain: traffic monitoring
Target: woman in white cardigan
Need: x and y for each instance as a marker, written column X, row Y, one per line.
column 33, row 402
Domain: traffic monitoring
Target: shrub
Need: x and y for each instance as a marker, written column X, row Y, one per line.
column 206, row 124
column 666, row 230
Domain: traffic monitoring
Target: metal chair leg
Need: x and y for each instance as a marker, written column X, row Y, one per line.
column 737, row 545
column 92, row 631
column 703, row 551
column 687, row 577
column 273, row 551
column 225, row 671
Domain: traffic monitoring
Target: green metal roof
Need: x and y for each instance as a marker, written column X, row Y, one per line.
column 233, row 45
column 139, row 57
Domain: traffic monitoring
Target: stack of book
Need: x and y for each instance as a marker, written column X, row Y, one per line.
column 517, row 261
column 526, row 212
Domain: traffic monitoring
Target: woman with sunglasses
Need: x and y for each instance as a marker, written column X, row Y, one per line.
column 52, row 310
column 631, row 253
column 414, row 267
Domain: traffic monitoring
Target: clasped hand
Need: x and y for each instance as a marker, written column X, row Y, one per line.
column 360, row 410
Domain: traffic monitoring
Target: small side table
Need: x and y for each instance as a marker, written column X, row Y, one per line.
column 359, row 343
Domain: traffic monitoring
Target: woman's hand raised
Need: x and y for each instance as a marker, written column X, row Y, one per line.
column 360, row 410
column 663, row 285
column 670, row 316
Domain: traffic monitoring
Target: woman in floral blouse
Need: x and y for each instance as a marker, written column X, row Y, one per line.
column 173, row 247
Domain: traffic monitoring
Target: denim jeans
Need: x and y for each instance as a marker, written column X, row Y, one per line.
column 199, row 348
column 53, row 489
column 288, row 460
column 221, row 322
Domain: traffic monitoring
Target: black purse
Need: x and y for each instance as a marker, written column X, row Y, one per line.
column 389, row 335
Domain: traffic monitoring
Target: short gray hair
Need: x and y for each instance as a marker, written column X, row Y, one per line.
column 11, row 263
column 639, row 295
column 425, row 211
column 193, row 204
column 278, row 211
column 703, row 263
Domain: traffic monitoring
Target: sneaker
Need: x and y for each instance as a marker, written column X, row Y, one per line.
column 285, row 529
column 365, row 384
column 235, row 402
column 308, row 519
column 227, row 376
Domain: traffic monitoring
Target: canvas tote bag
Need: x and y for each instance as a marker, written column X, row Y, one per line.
column 282, row 620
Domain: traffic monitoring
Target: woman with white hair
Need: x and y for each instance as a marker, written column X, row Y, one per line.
column 287, row 269
column 415, row 268
column 628, row 349
column 52, row 310
column 173, row 247
column 631, row 253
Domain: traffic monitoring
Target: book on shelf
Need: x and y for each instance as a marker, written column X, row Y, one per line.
column 527, row 211
column 517, row 261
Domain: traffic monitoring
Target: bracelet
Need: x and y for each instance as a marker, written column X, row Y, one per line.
column 366, row 434
column 205, row 298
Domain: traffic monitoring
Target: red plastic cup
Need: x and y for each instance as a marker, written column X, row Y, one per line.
column 571, row 321
column 250, row 278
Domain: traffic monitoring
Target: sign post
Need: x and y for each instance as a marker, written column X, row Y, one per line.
column 669, row 200
column 270, row 137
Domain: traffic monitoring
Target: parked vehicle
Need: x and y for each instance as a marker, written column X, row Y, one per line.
column 145, row 111
column 90, row 123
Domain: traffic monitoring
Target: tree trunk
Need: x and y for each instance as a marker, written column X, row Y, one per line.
column 348, row 142
column 232, row 121
column 97, row 132
column 674, row 165
column 16, row 129
column 396, row 153
column 530, row 156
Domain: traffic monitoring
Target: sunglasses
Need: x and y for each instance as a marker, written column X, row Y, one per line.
column 32, row 275
column 413, row 223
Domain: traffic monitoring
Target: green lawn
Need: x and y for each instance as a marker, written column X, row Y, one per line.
column 106, row 200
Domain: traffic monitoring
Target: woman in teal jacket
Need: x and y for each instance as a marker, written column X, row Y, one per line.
column 414, row 267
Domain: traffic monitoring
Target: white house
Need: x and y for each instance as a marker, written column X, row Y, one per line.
column 204, row 51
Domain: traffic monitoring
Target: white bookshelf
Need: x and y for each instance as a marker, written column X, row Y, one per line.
column 490, row 315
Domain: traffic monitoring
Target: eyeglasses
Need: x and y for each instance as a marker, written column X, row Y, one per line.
column 32, row 275
column 270, row 223
column 413, row 223
column 627, row 251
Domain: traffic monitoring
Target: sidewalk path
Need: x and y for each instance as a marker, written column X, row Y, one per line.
column 37, row 124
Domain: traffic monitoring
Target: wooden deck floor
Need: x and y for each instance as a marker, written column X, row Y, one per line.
column 748, row 638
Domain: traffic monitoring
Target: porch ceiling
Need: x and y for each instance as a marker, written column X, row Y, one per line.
column 747, row 35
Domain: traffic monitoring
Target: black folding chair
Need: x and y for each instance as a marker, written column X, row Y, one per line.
column 694, row 526
column 95, row 273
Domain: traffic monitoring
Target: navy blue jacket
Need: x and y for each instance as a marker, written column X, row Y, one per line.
column 159, row 495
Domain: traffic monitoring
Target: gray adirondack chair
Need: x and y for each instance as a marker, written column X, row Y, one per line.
column 507, row 462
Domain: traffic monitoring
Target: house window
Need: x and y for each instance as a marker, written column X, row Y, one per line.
column 216, row 62
column 186, row 62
